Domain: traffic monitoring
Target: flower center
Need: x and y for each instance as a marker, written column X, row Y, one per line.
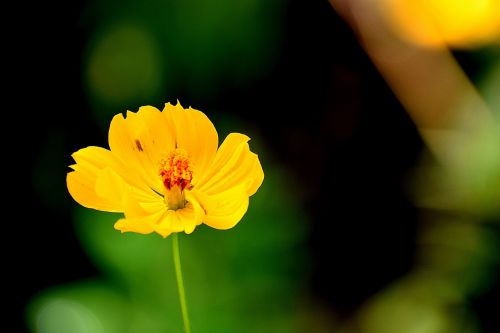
column 176, row 173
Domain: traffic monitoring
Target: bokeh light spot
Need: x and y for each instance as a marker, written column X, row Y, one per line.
column 124, row 64
column 457, row 23
column 62, row 316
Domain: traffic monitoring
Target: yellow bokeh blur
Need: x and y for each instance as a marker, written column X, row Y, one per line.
column 456, row 23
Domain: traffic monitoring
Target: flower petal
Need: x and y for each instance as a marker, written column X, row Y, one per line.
column 137, row 219
column 225, row 209
column 185, row 219
column 140, row 141
column 111, row 186
column 141, row 225
column 233, row 165
column 81, row 183
column 195, row 133
column 136, row 204
column 257, row 177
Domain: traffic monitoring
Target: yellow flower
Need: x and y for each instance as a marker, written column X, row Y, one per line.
column 457, row 23
column 164, row 172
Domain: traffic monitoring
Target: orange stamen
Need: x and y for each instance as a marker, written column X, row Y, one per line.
column 176, row 170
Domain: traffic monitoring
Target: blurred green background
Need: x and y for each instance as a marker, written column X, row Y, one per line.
column 349, row 232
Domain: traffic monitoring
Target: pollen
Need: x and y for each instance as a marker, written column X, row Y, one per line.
column 176, row 170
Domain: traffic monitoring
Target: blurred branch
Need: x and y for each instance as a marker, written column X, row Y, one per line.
column 455, row 253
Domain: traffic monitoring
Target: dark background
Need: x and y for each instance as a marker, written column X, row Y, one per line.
column 323, row 110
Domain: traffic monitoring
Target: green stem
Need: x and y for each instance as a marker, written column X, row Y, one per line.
column 180, row 283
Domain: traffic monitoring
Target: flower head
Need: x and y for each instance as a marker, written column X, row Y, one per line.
column 165, row 172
